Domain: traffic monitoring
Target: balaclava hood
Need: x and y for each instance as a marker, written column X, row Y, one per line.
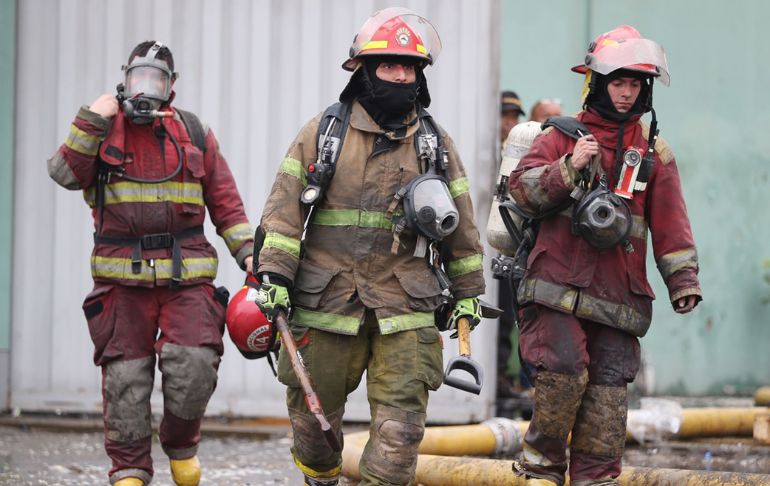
column 386, row 102
column 598, row 98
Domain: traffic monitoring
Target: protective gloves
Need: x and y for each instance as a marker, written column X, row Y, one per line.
column 468, row 307
column 272, row 298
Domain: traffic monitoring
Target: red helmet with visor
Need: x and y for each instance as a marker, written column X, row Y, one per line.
column 395, row 31
column 624, row 48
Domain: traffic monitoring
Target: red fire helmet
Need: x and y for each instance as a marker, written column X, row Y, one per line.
column 395, row 31
column 624, row 48
column 249, row 329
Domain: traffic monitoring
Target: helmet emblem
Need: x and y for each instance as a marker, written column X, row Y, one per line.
column 402, row 36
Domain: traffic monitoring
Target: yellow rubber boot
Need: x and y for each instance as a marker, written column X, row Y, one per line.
column 129, row 482
column 186, row 472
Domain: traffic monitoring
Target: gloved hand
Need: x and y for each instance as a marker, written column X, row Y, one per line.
column 469, row 308
column 271, row 299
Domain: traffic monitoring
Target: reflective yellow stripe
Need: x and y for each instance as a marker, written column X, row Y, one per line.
column 380, row 44
column 121, row 268
column 323, row 320
column 464, row 265
column 421, row 49
column 136, row 192
column 235, row 235
column 82, row 142
column 406, row 322
column 458, row 187
column 308, row 471
column 294, row 168
column 282, row 242
column 352, row 217
column 350, row 325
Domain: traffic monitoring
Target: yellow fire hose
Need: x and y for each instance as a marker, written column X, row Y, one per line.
column 762, row 396
column 439, row 465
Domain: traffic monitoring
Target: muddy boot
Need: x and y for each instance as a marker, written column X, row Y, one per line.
column 321, row 481
column 186, row 472
column 557, row 399
column 129, row 482
column 595, row 482
column 540, row 482
column 599, row 436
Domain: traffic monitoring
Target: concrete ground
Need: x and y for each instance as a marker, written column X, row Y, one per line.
column 61, row 453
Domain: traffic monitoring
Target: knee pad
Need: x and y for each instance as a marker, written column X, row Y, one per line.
column 127, row 389
column 395, row 435
column 600, row 427
column 310, row 449
column 189, row 379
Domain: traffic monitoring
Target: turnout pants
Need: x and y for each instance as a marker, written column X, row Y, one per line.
column 131, row 327
column 401, row 368
column 582, row 371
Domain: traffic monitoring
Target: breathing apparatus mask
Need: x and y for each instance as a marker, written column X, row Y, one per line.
column 429, row 208
column 602, row 218
column 147, row 87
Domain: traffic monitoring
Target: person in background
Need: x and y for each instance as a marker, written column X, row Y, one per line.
column 510, row 111
column 149, row 172
column 545, row 108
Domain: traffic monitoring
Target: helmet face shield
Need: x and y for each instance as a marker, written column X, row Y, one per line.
column 148, row 80
column 641, row 55
column 395, row 31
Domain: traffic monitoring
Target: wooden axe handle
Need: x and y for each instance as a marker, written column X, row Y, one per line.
column 464, row 336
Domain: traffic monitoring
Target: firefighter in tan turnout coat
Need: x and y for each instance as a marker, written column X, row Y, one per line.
column 364, row 284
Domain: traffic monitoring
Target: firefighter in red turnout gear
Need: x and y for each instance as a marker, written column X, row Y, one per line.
column 585, row 299
column 149, row 172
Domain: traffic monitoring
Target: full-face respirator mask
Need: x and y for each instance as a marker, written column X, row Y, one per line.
column 429, row 207
column 147, row 87
column 602, row 218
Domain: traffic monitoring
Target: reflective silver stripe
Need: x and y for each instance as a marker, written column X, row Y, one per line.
column 136, row 192
column 82, row 142
column 530, row 182
column 235, row 235
column 121, row 268
column 550, row 294
column 672, row 262
column 613, row 314
column 562, row 298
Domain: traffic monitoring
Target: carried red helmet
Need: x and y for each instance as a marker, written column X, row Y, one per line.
column 249, row 329
column 624, row 48
column 395, row 31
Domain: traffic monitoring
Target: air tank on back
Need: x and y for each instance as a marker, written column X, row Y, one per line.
column 517, row 144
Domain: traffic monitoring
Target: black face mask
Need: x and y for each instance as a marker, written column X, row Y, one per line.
column 386, row 102
column 600, row 101
column 393, row 98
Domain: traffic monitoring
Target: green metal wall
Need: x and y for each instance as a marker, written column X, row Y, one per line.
column 7, row 97
column 715, row 116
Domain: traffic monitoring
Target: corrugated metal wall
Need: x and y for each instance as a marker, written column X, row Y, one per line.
column 715, row 118
column 255, row 71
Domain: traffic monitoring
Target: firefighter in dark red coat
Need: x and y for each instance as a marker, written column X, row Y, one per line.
column 585, row 300
column 149, row 172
